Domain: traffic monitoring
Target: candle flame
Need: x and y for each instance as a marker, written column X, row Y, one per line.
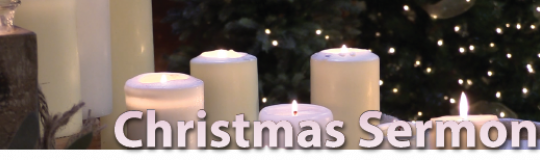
column 294, row 107
column 163, row 78
column 222, row 53
column 344, row 49
column 463, row 106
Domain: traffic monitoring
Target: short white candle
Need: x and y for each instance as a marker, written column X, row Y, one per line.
column 230, row 88
column 174, row 97
column 477, row 120
column 94, row 46
column 295, row 113
column 386, row 144
column 53, row 21
column 346, row 80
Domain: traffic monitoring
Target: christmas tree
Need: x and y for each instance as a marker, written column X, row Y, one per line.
column 430, row 51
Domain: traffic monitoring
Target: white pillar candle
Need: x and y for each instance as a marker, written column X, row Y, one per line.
column 386, row 144
column 132, row 53
column 53, row 21
column 346, row 81
column 476, row 120
column 174, row 97
column 230, row 87
column 94, row 45
column 286, row 112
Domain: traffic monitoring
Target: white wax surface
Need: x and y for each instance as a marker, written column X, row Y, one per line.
column 347, row 84
column 94, row 46
column 230, row 88
column 223, row 56
column 477, row 120
column 352, row 55
column 132, row 53
column 179, row 98
column 283, row 112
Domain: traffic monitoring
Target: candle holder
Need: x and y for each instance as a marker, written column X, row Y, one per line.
column 7, row 13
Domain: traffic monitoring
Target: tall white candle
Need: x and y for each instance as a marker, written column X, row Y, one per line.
column 174, row 97
column 132, row 53
column 58, row 62
column 94, row 45
column 286, row 112
column 477, row 120
column 346, row 81
column 231, row 87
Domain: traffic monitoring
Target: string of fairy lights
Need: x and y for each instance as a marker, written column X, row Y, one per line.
column 440, row 43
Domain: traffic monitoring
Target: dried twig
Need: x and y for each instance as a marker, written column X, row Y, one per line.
column 53, row 124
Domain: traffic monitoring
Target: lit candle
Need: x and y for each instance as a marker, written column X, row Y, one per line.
column 132, row 53
column 346, row 80
column 230, row 88
column 54, row 23
column 295, row 113
column 174, row 97
column 94, row 46
column 386, row 144
column 477, row 120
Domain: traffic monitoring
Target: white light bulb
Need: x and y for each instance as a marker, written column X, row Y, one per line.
column 461, row 49
column 502, row 114
column 530, row 68
column 490, row 73
column 498, row 94
column 395, row 90
column 538, row 9
column 508, row 55
column 499, row 30
column 492, row 44
column 471, row 47
column 391, row 50
column 518, row 26
column 274, row 42
column 318, row 32
column 327, row 37
column 456, row 28
column 469, row 82
column 417, row 63
column 538, row 55
column 533, row 26
column 380, row 82
column 420, row 113
column 445, row 97
column 428, row 70
column 406, row 7
column 452, row 100
column 440, row 42
column 267, row 31
column 525, row 90
column 460, row 81
column 377, row 34
column 264, row 99
column 507, row 25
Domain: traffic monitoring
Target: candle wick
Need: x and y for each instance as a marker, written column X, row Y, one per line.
column 295, row 113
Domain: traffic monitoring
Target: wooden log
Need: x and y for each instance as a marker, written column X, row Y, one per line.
column 18, row 80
